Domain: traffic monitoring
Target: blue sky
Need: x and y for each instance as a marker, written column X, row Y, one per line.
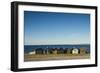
column 42, row 28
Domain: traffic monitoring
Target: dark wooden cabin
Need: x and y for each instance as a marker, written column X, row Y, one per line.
column 60, row 51
column 39, row 51
column 65, row 50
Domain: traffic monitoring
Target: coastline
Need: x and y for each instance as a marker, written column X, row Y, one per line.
column 29, row 48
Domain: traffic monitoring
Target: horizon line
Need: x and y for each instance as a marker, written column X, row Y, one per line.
column 58, row 44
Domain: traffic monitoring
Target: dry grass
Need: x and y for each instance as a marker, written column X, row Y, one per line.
column 46, row 57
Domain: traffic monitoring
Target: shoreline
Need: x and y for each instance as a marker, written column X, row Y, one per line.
column 50, row 57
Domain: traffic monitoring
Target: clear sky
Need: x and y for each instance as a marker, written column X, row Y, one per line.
column 42, row 28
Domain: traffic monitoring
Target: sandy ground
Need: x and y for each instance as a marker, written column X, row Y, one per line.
column 28, row 57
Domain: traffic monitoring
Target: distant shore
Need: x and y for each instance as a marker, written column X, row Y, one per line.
column 39, row 57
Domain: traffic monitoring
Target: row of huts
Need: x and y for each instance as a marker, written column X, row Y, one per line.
column 59, row 51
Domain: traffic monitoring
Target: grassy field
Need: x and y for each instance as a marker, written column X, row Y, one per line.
column 46, row 57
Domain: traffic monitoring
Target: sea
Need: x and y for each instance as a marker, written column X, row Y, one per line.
column 29, row 48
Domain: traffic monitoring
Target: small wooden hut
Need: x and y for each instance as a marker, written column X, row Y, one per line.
column 54, row 51
column 69, row 51
column 65, row 50
column 82, row 51
column 39, row 51
column 60, row 51
column 75, row 51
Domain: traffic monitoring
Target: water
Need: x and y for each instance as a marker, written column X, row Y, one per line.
column 29, row 48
